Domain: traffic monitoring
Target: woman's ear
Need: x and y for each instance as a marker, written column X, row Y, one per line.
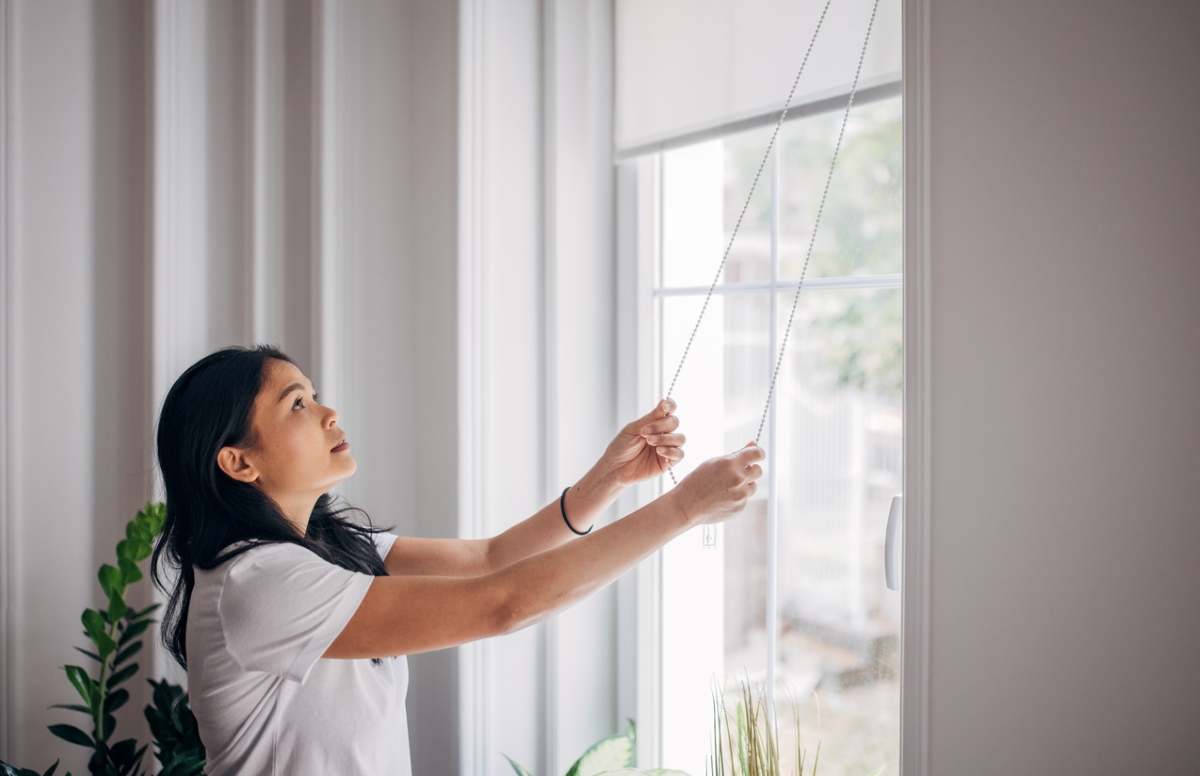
column 234, row 463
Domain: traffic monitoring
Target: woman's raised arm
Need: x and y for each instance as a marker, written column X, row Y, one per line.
column 409, row 614
column 642, row 449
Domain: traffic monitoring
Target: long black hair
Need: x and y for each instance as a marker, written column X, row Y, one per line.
column 211, row 406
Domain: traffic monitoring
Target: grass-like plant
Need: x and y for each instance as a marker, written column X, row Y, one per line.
column 745, row 741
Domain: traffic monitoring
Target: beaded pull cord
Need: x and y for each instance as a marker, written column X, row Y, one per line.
column 710, row 531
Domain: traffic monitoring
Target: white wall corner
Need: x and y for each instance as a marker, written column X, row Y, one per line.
column 326, row 286
column 474, row 735
column 11, row 690
column 915, row 663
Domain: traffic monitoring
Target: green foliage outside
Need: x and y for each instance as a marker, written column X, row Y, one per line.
column 115, row 635
column 854, row 337
column 612, row 756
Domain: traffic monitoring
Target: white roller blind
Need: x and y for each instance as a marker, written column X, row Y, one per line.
column 687, row 65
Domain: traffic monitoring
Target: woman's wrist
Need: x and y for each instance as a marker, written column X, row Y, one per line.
column 674, row 502
column 589, row 497
column 601, row 484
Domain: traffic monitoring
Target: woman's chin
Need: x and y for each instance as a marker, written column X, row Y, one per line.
column 346, row 466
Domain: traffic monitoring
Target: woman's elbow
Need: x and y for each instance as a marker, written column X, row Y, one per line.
column 512, row 609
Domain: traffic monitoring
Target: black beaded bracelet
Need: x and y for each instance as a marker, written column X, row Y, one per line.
column 562, row 506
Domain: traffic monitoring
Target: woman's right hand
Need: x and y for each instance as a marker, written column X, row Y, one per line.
column 720, row 487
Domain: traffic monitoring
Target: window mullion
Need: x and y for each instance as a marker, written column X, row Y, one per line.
column 772, row 515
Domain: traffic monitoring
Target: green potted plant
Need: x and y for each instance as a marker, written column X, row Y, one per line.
column 115, row 634
column 612, row 756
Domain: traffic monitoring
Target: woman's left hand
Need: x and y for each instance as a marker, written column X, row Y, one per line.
column 646, row 447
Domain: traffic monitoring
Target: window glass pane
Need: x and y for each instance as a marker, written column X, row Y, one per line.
column 838, row 420
column 750, row 257
column 860, row 228
column 720, row 395
column 693, row 180
column 839, row 454
column 704, row 188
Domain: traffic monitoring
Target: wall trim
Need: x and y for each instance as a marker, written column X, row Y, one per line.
column 326, row 269
column 11, row 685
column 549, row 356
column 915, row 618
column 474, row 730
column 256, row 267
column 177, row 281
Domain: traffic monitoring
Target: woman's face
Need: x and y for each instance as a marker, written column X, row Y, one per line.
column 298, row 452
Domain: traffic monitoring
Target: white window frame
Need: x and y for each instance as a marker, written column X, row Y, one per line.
column 638, row 242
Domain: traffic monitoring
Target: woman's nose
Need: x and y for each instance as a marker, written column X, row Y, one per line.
column 332, row 418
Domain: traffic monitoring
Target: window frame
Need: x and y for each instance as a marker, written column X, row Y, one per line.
column 639, row 245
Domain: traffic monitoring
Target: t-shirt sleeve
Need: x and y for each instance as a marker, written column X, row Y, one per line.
column 383, row 543
column 282, row 606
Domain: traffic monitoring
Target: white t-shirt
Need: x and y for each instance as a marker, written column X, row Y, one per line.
column 265, row 699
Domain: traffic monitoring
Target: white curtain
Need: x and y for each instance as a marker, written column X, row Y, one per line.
column 685, row 65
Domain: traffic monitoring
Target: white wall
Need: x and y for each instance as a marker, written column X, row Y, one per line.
column 1059, row 141
column 76, row 430
column 538, row 404
column 179, row 176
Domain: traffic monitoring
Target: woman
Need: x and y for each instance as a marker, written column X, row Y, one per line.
column 292, row 621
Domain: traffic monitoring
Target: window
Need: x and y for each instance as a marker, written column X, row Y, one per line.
column 794, row 590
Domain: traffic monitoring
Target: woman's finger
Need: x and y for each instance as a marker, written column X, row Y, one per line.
column 663, row 409
column 661, row 426
column 667, row 440
column 749, row 454
column 672, row 454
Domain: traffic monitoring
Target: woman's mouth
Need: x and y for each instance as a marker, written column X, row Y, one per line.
column 340, row 447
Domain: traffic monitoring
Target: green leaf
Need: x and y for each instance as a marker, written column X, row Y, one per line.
column 134, row 630
column 126, row 756
column 123, row 752
column 93, row 624
column 92, row 655
column 72, row 734
column 105, row 645
column 85, row 685
column 127, row 653
column 116, row 606
column 877, row 771
column 123, row 674
column 149, row 610
column 129, row 571
column 137, row 530
column 116, row 699
column 155, row 516
column 610, row 754
column 183, row 765
column 134, row 549
column 73, row 707
column 9, row 770
column 111, row 579
column 519, row 770
column 107, row 723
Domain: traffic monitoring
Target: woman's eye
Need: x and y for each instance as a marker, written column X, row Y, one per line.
column 298, row 404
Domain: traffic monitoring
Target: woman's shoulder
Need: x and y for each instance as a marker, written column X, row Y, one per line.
column 241, row 556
